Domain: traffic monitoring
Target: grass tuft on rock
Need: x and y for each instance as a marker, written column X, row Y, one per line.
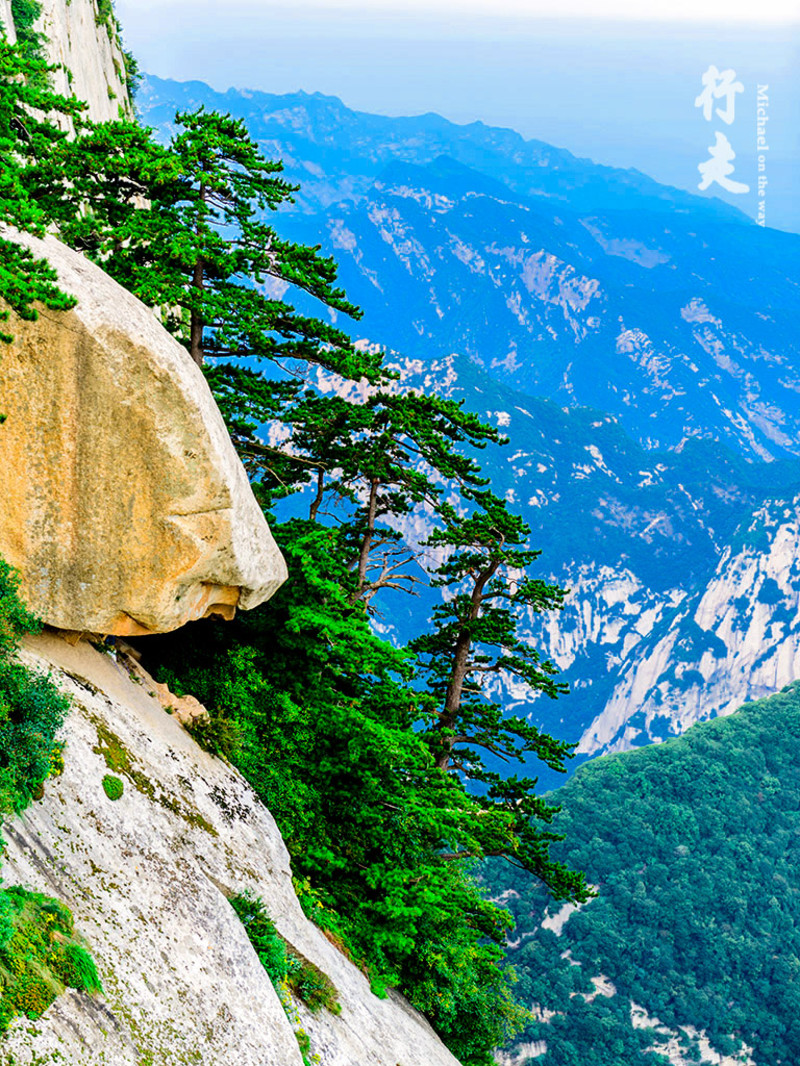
column 285, row 966
column 113, row 786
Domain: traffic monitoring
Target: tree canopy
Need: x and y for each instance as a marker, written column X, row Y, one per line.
column 26, row 137
column 370, row 754
column 184, row 227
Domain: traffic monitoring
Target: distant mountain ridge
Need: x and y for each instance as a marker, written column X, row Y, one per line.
column 659, row 550
column 639, row 346
column 337, row 152
column 646, row 316
column 590, row 285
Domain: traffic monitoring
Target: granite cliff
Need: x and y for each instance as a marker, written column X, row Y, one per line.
column 82, row 40
column 148, row 878
column 127, row 510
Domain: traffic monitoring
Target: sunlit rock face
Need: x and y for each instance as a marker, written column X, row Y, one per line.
column 126, row 508
column 735, row 639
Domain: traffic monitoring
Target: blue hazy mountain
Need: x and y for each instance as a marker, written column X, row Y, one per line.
column 580, row 282
column 336, row 153
column 679, row 324
column 636, row 343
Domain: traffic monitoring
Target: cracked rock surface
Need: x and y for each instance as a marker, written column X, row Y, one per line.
column 148, row 878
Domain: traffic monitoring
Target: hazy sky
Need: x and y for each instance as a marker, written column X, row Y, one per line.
column 653, row 10
column 619, row 92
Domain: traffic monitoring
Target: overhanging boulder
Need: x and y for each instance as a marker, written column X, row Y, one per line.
column 125, row 506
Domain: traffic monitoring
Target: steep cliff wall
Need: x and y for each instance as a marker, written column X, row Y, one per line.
column 84, row 42
column 735, row 639
column 7, row 20
column 148, row 876
column 87, row 43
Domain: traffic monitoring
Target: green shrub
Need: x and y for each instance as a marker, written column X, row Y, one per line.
column 216, row 734
column 133, row 75
column 113, row 786
column 78, row 969
column 105, row 16
column 283, row 964
column 15, row 618
column 32, row 709
column 39, row 956
column 311, row 985
column 25, row 13
column 264, row 937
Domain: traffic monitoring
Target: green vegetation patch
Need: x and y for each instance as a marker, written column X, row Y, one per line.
column 105, row 17
column 216, row 734
column 695, row 847
column 113, row 786
column 286, row 966
column 119, row 761
column 40, row 955
column 113, row 751
column 32, row 709
column 25, row 14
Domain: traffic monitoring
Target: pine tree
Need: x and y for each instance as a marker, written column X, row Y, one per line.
column 375, row 461
column 183, row 228
column 475, row 638
column 28, row 133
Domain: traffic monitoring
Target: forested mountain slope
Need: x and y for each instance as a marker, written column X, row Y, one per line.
column 693, row 847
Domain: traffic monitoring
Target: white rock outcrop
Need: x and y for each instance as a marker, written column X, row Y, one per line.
column 81, row 41
column 125, row 506
column 147, row 877
column 7, row 21
column 736, row 639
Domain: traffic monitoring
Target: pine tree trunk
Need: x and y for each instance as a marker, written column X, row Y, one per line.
column 366, row 543
column 196, row 323
column 315, row 503
column 458, row 673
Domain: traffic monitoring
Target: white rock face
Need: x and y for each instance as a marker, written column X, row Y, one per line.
column 92, row 52
column 147, row 878
column 88, row 52
column 7, row 21
column 737, row 640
